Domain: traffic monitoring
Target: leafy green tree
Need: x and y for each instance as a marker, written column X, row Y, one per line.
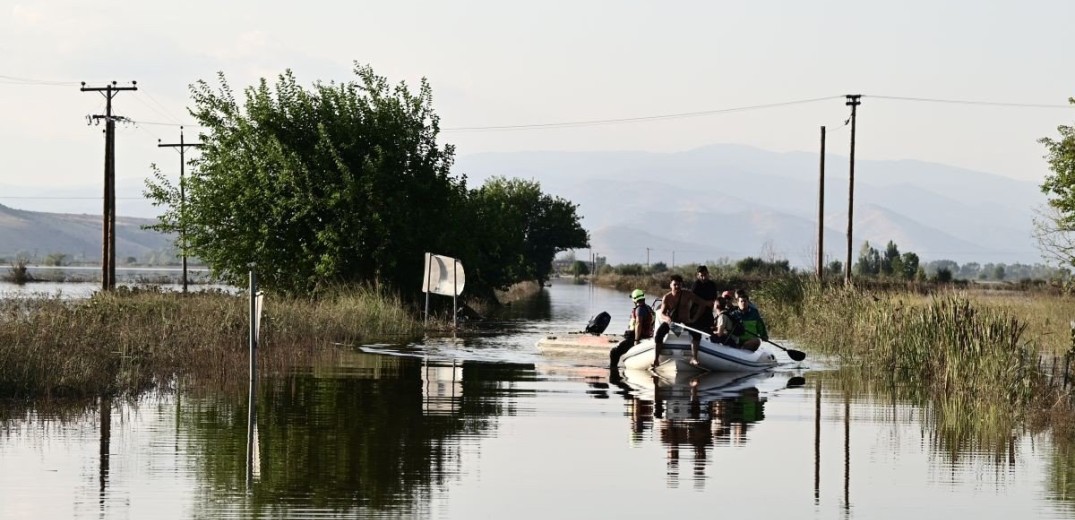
column 658, row 267
column 969, row 270
column 834, row 268
column 910, row 267
column 338, row 183
column 998, row 272
column 1055, row 227
column 751, row 265
column 936, row 265
column 579, row 268
column 890, row 262
column 522, row 229
column 869, row 261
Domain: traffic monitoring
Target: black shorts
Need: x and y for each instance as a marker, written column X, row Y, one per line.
column 704, row 323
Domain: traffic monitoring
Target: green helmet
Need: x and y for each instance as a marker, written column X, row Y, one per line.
column 638, row 294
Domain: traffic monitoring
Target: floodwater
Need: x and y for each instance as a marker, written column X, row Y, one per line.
column 488, row 426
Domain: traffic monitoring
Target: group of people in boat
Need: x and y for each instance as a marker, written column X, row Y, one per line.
column 730, row 317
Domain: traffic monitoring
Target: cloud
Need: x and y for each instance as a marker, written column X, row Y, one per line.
column 26, row 15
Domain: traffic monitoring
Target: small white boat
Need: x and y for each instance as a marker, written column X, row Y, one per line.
column 714, row 357
column 579, row 341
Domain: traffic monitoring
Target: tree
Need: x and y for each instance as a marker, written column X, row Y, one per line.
column 998, row 272
column 943, row 275
column 521, row 230
column 834, row 268
column 910, row 266
column 890, row 262
column 339, row 183
column 1055, row 227
column 579, row 268
column 869, row 261
column 56, row 259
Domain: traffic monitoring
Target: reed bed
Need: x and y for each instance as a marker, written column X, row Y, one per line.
column 981, row 366
column 127, row 342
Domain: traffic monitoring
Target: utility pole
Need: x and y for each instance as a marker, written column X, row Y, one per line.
column 182, row 145
column 647, row 259
column 108, row 249
column 853, row 102
column 821, row 212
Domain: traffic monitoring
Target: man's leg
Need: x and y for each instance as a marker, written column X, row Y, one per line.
column 658, row 340
column 618, row 351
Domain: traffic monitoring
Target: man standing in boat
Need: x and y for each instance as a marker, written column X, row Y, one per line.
column 704, row 287
column 682, row 306
column 639, row 328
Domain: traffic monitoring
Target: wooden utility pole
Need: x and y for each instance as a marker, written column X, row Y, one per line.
column 182, row 145
column 108, row 248
column 821, row 212
column 853, row 102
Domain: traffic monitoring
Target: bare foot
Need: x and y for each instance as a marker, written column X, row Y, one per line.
column 694, row 361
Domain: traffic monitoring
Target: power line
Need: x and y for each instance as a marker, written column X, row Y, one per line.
column 701, row 113
column 31, row 197
column 970, row 102
column 13, row 80
column 158, row 123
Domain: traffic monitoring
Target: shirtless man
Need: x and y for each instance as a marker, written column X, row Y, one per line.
column 682, row 306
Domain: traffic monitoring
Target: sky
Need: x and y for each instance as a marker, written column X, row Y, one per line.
column 493, row 63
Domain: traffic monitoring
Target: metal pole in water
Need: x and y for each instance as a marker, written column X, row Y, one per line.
column 251, row 398
column 455, row 292
column 429, row 268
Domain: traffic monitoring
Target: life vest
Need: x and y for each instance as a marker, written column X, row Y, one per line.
column 646, row 323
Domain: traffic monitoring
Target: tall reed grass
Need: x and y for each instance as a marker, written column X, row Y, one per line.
column 124, row 342
column 974, row 364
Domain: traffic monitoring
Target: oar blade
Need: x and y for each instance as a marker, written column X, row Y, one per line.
column 796, row 355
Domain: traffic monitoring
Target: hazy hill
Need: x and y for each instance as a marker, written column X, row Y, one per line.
column 76, row 235
column 734, row 201
column 703, row 204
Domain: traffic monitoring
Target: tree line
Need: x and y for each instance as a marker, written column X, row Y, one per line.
column 346, row 183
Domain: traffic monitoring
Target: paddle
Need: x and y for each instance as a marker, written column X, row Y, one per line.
column 795, row 355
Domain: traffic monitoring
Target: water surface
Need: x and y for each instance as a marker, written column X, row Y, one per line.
column 487, row 426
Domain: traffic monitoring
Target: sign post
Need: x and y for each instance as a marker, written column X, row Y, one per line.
column 444, row 275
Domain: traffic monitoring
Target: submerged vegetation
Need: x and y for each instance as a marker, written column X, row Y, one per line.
column 125, row 343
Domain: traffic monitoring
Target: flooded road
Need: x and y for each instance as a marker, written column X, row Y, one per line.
column 487, row 426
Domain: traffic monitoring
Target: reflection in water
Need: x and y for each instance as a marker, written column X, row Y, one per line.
column 695, row 412
column 105, row 414
column 376, row 433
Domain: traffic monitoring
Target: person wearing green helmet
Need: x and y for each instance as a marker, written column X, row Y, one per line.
column 639, row 328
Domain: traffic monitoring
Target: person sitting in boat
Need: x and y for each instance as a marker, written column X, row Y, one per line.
column 682, row 306
column 753, row 324
column 728, row 330
column 639, row 328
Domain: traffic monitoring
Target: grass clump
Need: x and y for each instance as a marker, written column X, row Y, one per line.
column 127, row 342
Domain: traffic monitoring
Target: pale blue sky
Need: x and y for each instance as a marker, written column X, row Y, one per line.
column 494, row 62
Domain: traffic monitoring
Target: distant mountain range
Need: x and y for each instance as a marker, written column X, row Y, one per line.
column 76, row 235
column 720, row 201
column 730, row 201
